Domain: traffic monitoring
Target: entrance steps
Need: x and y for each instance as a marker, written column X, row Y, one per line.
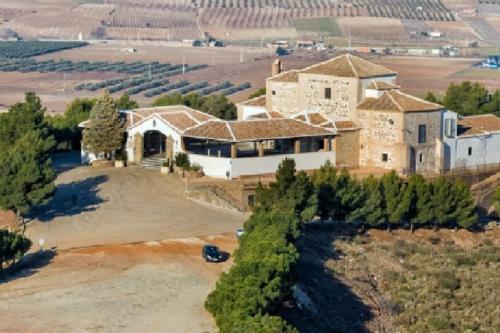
column 153, row 162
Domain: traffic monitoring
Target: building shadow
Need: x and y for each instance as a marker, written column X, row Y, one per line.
column 336, row 307
column 27, row 266
column 71, row 199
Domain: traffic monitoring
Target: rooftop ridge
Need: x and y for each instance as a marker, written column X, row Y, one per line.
column 348, row 57
column 394, row 101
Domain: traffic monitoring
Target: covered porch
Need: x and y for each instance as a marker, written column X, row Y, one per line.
column 234, row 149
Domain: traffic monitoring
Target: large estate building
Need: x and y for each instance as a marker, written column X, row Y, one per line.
column 346, row 110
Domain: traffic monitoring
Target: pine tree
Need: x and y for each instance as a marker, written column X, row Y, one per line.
column 393, row 190
column 349, row 197
column 443, row 202
column 22, row 118
column 420, row 207
column 324, row 181
column 465, row 215
column 26, row 174
column 371, row 213
column 105, row 132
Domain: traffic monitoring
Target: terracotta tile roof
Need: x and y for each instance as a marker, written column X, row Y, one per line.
column 316, row 118
column 178, row 116
column 382, row 85
column 311, row 117
column 394, row 100
column 288, row 76
column 257, row 101
column 345, row 125
column 301, row 117
column 478, row 125
column 179, row 120
column 348, row 65
column 253, row 130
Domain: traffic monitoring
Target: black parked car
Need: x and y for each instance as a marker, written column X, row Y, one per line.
column 211, row 253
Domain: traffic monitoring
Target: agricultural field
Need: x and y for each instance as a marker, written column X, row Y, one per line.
column 321, row 26
column 26, row 49
column 239, row 20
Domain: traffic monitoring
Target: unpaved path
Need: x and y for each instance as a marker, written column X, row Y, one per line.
column 146, row 287
column 116, row 206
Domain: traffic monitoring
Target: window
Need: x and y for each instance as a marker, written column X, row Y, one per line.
column 251, row 200
column 469, row 151
column 422, row 133
column 421, row 158
column 385, row 157
column 328, row 93
column 274, row 92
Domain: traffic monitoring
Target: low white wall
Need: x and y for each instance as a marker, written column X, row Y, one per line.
column 268, row 164
column 217, row 167
column 485, row 150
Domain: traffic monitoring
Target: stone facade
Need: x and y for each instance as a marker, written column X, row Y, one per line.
column 346, row 146
column 340, row 105
column 424, row 157
column 381, row 139
column 283, row 97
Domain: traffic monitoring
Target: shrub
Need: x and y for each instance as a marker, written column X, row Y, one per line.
column 182, row 161
column 12, row 246
column 121, row 155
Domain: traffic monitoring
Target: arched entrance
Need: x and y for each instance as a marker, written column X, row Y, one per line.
column 154, row 143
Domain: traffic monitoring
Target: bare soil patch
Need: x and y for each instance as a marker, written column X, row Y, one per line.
column 147, row 287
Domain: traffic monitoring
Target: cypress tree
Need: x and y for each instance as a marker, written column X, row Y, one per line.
column 104, row 133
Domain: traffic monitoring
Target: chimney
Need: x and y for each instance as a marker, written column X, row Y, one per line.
column 276, row 67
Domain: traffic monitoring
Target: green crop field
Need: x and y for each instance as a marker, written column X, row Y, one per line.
column 321, row 26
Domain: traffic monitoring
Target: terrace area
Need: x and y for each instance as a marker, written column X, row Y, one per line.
column 230, row 149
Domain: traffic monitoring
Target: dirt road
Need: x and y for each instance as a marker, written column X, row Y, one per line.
column 117, row 206
column 148, row 287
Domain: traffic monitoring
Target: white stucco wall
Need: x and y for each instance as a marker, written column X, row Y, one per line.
column 485, row 150
column 212, row 166
column 218, row 167
column 269, row 164
column 249, row 111
column 449, row 141
column 152, row 123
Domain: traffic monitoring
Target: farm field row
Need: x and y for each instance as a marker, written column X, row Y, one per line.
column 416, row 75
column 184, row 19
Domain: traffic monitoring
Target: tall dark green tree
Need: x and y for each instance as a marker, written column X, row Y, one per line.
column 22, row 118
column 26, row 172
column 465, row 214
column 371, row 212
column 419, row 195
column 395, row 205
column 443, row 202
column 105, row 131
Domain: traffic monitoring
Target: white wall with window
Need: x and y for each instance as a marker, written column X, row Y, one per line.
column 478, row 150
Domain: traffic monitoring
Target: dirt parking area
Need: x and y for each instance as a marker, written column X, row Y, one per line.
column 115, row 206
column 147, row 287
